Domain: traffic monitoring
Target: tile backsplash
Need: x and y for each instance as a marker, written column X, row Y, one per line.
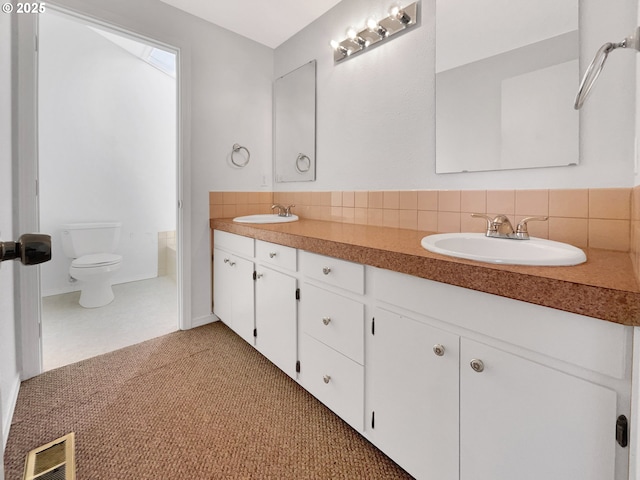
column 597, row 218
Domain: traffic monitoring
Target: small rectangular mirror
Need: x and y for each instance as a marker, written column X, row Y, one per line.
column 295, row 125
column 506, row 77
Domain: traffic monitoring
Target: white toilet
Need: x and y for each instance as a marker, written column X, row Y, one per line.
column 91, row 245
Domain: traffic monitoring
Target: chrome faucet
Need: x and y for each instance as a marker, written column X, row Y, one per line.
column 282, row 211
column 501, row 227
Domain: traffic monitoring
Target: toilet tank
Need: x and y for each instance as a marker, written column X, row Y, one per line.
column 80, row 239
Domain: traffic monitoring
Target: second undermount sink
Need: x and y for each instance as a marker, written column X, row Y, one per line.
column 266, row 218
column 479, row 247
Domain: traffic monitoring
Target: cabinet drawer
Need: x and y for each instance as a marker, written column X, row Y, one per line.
column 334, row 320
column 234, row 243
column 339, row 273
column 278, row 255
column 335, row 380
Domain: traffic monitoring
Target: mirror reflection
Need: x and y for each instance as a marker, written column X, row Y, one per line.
column 295, row 125
column 506, row 74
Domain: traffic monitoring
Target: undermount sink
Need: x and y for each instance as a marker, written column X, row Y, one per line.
column 266, row 218
column 479, row 247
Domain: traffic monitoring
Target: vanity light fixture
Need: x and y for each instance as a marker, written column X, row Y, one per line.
column 375, row 32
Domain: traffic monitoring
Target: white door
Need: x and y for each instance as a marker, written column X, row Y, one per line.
column 520, row 419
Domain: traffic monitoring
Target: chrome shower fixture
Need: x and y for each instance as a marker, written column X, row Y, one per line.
column 597, row 64
column 375, row 32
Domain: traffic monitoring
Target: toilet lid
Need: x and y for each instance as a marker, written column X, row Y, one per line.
column 96, row 260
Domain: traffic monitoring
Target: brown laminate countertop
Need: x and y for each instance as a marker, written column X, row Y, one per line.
column 603, row 287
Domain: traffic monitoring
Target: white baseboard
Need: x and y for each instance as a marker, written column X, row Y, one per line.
column 204, row 320
column 6, row 420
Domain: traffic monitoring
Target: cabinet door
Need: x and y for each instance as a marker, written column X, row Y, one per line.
column 242, row 297
column 276, row 318
column 520, row 419
column 233, row 300
column 222, row 286
column 415, row 396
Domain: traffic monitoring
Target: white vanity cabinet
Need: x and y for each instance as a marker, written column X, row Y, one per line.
column 331, row 343
column 451, row 383
column 233, row 300
column 276, row 309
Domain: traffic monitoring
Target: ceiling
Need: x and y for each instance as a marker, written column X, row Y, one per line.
column 267, row 22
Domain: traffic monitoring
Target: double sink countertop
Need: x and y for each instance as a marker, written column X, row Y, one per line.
column 604, row 287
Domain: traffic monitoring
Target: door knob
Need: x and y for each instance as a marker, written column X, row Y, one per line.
column 30, row 249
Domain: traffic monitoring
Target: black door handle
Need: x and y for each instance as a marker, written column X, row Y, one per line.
column 30, row 249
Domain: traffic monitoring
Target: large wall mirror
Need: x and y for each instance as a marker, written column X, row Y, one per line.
column 506, row 77
column 295, row 125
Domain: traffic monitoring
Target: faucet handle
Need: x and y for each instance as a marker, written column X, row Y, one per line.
column 486, row 217
column 287, row 210
column 522, row 231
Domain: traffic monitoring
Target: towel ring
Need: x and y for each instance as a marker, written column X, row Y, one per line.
column 300, row 158
column 236, row 149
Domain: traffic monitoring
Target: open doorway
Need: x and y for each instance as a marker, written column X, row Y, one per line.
column 107, row 127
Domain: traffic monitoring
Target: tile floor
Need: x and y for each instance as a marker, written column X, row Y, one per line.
column 140, row 311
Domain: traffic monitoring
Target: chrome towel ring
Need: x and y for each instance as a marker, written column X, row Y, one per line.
column 236, row 149
column 597, row 64
column 303, row 166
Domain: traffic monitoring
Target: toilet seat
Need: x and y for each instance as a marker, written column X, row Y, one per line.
column 96, row 260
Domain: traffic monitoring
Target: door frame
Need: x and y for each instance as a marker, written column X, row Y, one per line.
column 28, row 291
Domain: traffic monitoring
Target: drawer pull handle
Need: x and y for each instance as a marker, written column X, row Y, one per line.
column 326, row 270
column 272, row 254
column 326, row 320
column 326, row 378
column 438, row 350
column 477, row 365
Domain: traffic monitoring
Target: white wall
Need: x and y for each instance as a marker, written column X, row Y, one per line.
column 227, row 80
column 107, row 151
column 376, row 127
column 9, row 372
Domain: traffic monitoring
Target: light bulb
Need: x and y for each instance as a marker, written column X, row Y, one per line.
column 373, row 26
column 399, row 15
column 334, row 44
column 353, row 35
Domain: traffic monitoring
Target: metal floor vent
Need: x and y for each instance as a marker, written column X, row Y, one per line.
column 53, row 461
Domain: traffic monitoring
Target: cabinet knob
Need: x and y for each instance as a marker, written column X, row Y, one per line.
column 326, row 378
column 326, row 320
column 259, row 275
column 272, row 254
column 326, row 270
column 438, row 350
column 226, row 260
column 477, row 365
column 232, row 264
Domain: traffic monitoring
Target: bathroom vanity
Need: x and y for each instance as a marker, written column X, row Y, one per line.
column 454, row 369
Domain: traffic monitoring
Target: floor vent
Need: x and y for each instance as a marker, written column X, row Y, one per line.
column 53, row 461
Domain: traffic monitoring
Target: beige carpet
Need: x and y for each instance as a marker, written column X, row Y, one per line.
column 200, row 404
